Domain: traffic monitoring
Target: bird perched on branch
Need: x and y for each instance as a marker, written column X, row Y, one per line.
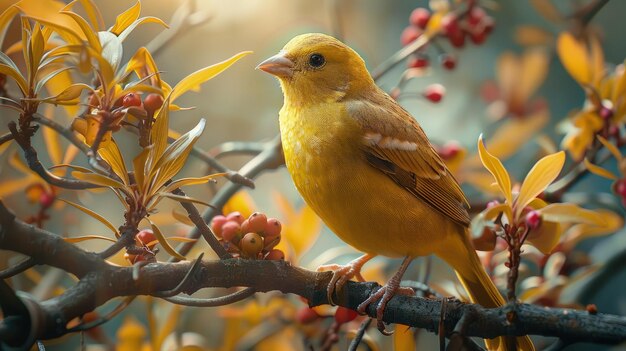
column 367, row 168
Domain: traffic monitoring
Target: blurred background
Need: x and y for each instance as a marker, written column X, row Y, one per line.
column 242, row 104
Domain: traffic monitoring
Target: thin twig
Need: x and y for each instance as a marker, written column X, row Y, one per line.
column 179, row 288
column 359, row 335
column 6, row 137
column 212, row 302
column 18, row 268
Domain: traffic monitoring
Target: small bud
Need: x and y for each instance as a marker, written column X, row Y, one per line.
column 620, row 187
column 533, row 219
column 434, row 92
column 606, row 110
column 420, row 17
column 592, row 309
column 46, row 199
column 493, row 203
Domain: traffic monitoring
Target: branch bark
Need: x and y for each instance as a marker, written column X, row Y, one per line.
column 99, row 282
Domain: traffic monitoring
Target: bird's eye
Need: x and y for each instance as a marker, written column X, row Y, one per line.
column 317, row 60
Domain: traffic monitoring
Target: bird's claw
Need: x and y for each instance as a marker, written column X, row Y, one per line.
column 341, row 274
column 385, row 294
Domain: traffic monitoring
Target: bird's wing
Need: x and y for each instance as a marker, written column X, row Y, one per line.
column 395, row 144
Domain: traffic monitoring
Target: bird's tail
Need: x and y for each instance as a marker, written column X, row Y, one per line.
column 461, row 256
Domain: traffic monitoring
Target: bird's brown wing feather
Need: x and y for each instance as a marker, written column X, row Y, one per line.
column 395, row 144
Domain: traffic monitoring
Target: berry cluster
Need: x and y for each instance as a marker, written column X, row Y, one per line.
column 456, row 26
column 254, row 237
column 145, row 250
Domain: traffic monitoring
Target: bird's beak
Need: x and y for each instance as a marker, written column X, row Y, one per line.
column 278, row 65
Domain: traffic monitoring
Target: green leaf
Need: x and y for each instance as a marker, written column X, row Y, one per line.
column 193, row 81
column 94, row 215
column 163, row 241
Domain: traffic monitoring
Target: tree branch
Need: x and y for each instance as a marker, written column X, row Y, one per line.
column 99, row 282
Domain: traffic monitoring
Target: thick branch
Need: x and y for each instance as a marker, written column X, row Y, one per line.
column 101, row 282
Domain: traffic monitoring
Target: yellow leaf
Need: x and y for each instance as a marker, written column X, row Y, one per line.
column 534, row 68
column 491, row 213
column 163, row 241
column 175, row 155
column 528, row 35
column 5, row 18
column 403, row 339
column 515, row 133
column 149, row 19
column 507, row 73
column 574, row 57
column 158, row 138
column 183, row 198
column 546, row 237
column 139, row 167
column 567, row 212
column 612, row 222
column 182, row 218
column 70, row 93
column 300, row 229
column 191, row 181
column 597, row 170
column 94, row 215
column 538, row 178
column 9, row 187
column 182, row 239
column 92, row 37
column 612, row 148
column 597, row 59
column 547, row 10
column 95, row 17
column 124, row 19
column 495, row 167
column 241, row 202
column 98, row 179
column 112, row 155
column 17, row 76
column 193, row 81
column 78, row 239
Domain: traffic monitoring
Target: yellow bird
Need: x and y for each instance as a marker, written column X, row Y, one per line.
column 367, row 168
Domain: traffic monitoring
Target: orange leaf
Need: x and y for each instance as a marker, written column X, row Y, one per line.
column 575, row 58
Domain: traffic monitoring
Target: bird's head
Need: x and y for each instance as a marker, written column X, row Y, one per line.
column 317, row 67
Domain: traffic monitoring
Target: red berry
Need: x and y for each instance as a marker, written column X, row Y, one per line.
column 450, row 24
column 152, row 102
column 230, row 230
column 409, row 34
column 273, row 227
column 235, row 216
column 275, row 255
column 145, row 237
column 419, row 17
column 447, row 61
column 217, row 223
column 475, row 16
column 306, row 315
column 457, row 39
column 257, row 222
column 131, row 99
column 533, row 219
column 606, row 112
column 488, row 24
column 434, row 92
column 345, row 315
column 46, row 199
column 620, row 187
column 251, row 245
column 418, row 61
column 478, row 37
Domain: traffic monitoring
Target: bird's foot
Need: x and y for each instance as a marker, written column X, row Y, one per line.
column 385, row 293
column 341, row 274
